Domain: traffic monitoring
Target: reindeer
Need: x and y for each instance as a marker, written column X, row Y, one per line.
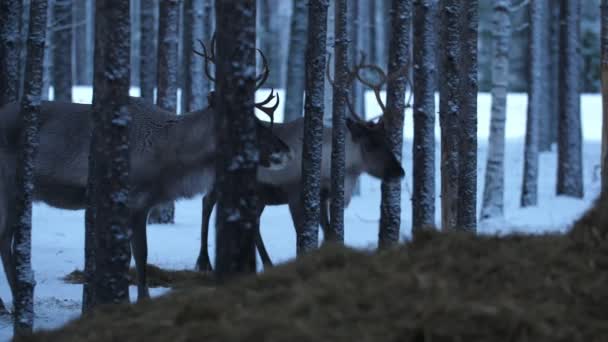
column 367, row 150
column 171, row 157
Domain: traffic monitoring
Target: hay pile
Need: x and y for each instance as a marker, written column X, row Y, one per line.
column 440, row 287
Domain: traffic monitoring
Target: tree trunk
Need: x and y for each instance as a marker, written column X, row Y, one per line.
column 47, row 64
column 340, row 94
column 379, row 33
column 544, row 142
column 185, row 80
column 399, row 56
column 62, row 51
column 148, row 48
column 569, row 152
column 358, row 36
column 604, row 56
column 10, row 50
column 236, row 219
column 296, row 65
column 529, row 191
column 196, row 85
column 423, row 148
column 110, row 99
column 494, row 185
column 30, row 109
column 88, row 287
column 554, row 67
column 330, row 43
column 312, row 148
column 80, row 41
column 167, row 83
column 449, row 107
column 270, row 42
column 467, row 169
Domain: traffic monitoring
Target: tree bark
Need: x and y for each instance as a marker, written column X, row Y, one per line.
column 270, row 42
column 47, row 64
column 167, row 83
column 340, row 94
column 236, row 220
column 423, row 149
column 110, row 99
column 30, row 109
column 569, row 152
column 449, row 107
column 312, row 148
column 544, row 141
column 196, row 85
column 296, row 65
column 399, row 56
column 494, row 185
column 62, row 51
column 529, row 191
column 10, row 50
column 604, row 75
column 554, row 67
column 148, row 48
column 80, row 41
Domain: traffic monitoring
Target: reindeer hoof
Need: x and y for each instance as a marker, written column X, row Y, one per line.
column 203, row 266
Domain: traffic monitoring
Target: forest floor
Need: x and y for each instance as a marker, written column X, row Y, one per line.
column 58, row 236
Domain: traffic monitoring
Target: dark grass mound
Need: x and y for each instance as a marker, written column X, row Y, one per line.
column 440, row 287
column 157, row 277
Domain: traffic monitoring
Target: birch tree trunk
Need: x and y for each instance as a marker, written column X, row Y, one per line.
column 167, row 83
column 110, row 99
column 449, row 107
column 529, row 191
column 296, row 65
column 340, row 94
column 10, row 50
column 47, row 64
column 399, row 55
column 569, row 152
column 604, row 75
column 23, row 301
column 62, row 51
column 237, row 220
column 148, row 48
column 494, row 185
column 194, row 93
column 312, row 148
column 423, row 148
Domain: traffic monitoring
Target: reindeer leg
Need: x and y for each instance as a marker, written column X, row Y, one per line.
column 8, row 260
column 327, row 232
column 260, row 243
column 203, row 263
column 139, row 244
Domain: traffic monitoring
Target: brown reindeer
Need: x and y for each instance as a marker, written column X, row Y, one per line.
column 171, row 157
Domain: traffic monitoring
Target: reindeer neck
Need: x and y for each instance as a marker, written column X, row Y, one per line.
column 193, row 138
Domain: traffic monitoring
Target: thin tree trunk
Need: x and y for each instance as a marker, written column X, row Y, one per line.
column 357, row 33
column 340, row 93
column 604, row 56
column 399, row 56
column 47, row 64
column 529, row 191
column 380, row 19
column 62, row 51
column 449, row 107
column 10, row 50
column 423, row 148
column 30, row 109
column 544, row 142
column 110, row 98
column 270, row 42
column 88, row 287
column 296, row 65
column 237, row 220
column 80, row 39
column 197, row 86
column 148, row 48
column 494, row 185
column 554, row 67
column 185, row 81
column 167, row 83
column 330, row 43
column 312, row 148
column 569, row 152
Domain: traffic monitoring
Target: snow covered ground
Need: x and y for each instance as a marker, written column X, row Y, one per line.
column 58, row 235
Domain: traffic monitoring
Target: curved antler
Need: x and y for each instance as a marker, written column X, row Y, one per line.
column 351, row 77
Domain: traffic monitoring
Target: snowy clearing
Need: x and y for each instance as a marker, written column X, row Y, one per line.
column 58, row 235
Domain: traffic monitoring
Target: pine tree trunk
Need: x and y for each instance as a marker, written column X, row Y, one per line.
column 47, row 64
column 196, row 85
column 340, row 93
column 544, row 142
column 312, row 148
column 604, row 75
column 30, row 109
column 399, row 55
column 270, row 42
column 379, row 38
column 110, row 98
column 167, row 83
column 88, row 287
column 357, row 32
column 185, row 81
column 296, row 65
column 10, row 50
column 529, row 191
column 80, row 41
column 423, row 149
column 554, row 67
column 494, row 185
column 62, row 51
column 330, row 43
column 449, row 107
column 569, row 151
column 148, row 48
column 236, row 219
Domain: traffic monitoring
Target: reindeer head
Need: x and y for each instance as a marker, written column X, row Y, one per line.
column 274, row 152
column 371, row 136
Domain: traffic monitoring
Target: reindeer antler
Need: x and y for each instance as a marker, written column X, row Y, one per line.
column 351, row 77
column 259, row 80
